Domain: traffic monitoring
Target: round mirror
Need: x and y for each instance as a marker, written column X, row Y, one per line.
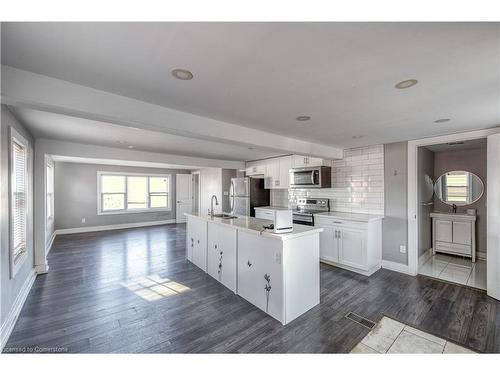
column 459, row 187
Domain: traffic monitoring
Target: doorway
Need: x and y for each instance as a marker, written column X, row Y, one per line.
column 447, row 212
column 184, row 196
column 196, row 189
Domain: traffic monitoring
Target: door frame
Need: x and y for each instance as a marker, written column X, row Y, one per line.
column 413, row 184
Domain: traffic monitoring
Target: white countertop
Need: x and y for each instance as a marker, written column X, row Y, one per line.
column 277, row 208
column 350, row 216
column 461, row 215
column 254, row 225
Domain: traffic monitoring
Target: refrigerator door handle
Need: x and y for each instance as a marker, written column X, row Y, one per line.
column 231, row 195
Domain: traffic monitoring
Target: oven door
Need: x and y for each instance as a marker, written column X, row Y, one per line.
column 304, row 219
column 305, row 177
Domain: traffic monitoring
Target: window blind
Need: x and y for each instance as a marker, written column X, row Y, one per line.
column 19, row 194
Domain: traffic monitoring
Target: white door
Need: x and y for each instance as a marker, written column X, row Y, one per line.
column 183, row 196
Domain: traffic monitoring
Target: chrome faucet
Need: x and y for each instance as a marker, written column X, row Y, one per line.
column 454, row 208
column 212, row 205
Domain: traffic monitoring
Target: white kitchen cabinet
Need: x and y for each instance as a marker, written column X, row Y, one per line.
column 277, row 175
column 300, row 161
column 454, row 234
column 221, row 254
column 352, row 248
column 352, row 244
column 196, row 242
column 259, row 258
column 255, row 168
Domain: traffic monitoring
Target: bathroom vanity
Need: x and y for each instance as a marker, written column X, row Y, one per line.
column 454, row 233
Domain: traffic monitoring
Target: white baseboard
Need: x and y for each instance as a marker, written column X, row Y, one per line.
column 51, row 241
column 398, row 267
column 113, row 227
column 13, row 314
column 424, row 257
column 481, row 255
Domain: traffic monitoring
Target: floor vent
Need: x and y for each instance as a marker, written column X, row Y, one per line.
column 360, row 320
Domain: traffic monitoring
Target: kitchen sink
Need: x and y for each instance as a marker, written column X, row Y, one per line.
column 225, row 216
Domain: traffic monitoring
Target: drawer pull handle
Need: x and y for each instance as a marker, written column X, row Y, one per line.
column 249, row 264
column 337, row 222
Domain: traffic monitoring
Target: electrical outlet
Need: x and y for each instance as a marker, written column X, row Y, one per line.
column 402, row 249
column 83, row 220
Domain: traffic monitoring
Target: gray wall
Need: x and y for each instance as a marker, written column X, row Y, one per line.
column 76, row 196
column 395, row 224
column 425, row 194
column 474, row 161
column 10, row 287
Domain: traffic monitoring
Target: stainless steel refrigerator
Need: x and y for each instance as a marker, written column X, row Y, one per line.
column 246, row 193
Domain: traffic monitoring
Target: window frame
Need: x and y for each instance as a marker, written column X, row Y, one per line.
column 16, row 264
column 126, row 210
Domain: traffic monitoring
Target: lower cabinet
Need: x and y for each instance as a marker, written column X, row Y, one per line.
column 260, row 276
column 221, row 249
column 196, row 242
column 353, row 245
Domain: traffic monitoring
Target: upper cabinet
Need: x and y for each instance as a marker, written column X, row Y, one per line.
column 276, row 171
column 300, row 161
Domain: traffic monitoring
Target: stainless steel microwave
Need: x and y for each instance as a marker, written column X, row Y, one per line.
column 311, row 177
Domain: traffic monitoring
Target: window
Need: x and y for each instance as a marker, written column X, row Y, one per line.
column 18, row 200
column 50, row 191
column 457, row 187
column 120, row 193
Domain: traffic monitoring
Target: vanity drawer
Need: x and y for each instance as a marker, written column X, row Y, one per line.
column 453, row 248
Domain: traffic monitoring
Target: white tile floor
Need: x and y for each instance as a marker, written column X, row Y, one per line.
column 456, row 269
column 391, row 336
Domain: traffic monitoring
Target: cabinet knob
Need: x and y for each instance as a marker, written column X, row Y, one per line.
column 249, row 264
column 221, row 253
column 216, row 246
column 198, row 241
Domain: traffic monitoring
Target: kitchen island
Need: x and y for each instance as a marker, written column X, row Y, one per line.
column 278, row 273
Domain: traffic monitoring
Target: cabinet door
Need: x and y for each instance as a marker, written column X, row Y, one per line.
column 213, row 250
column 328, row 244
column 314, row 162
column 258, row 258
column 352, row 248
column 254, row 168
column 444, row 230
column 462, row 232
column 200, row 244
column 285, row 166
column 272, row 174
column 299, row 161
column 190, row 239
column 227, row 250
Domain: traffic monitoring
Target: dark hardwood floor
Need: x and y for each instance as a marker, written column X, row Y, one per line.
column 133, row 291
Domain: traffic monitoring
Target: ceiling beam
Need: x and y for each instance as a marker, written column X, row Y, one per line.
column 35, row 91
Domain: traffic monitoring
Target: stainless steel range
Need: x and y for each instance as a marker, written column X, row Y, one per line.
column 307, row 207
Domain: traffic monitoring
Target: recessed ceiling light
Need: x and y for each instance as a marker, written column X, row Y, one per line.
column 130, row 146
column 182, row 74
column 357, row 136
column 439, row 121
column 406, row 84
column 303, row 118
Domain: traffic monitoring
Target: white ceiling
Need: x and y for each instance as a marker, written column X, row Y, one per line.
column 74, row 129
column 263, row 75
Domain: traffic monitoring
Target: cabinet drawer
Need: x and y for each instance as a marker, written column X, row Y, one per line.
column 327, row 221
column 453, row 247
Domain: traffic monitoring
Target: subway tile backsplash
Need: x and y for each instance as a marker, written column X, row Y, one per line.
column 357, row 180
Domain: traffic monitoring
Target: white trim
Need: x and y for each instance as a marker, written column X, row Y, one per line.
column 113, row 227
column 49, row 244
column 425, row 257
column 481, row 255
column 412, row 185
column 13, row 314
column 394, row 266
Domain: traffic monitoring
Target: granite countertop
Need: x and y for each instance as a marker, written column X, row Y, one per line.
column 273, row 208
column 254, row 225
column 350, row 216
